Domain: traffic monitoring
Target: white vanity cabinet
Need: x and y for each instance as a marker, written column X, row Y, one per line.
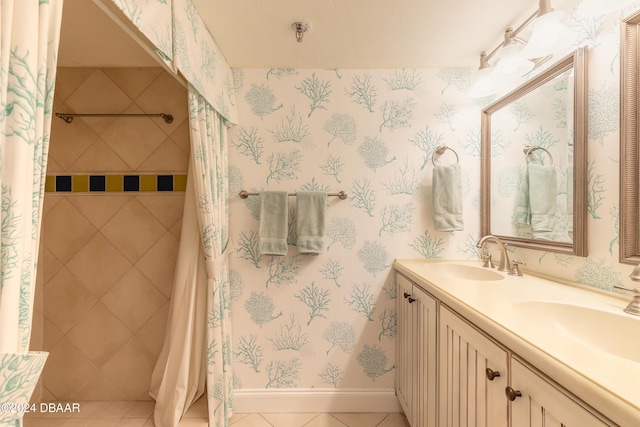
column 542, row 404
column 451, row 373
column 473, row 376
column 416, row 374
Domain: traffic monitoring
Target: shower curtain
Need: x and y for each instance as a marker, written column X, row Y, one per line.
column 197, row 346
column 29, row 36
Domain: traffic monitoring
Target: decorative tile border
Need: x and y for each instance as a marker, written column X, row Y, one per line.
column 114, row 183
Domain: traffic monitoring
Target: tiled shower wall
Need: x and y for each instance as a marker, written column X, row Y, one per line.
column 107, row 259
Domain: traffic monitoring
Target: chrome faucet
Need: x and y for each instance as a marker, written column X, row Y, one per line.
column 504, row 257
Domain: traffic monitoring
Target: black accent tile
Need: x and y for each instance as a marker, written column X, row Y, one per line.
column 131, row 183
column 97, row 183
column 63, row 183
column 165, row 182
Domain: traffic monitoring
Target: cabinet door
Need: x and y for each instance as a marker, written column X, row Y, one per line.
column 404, row 346
column 542, row 404
column 473, row 376
column 426, row 353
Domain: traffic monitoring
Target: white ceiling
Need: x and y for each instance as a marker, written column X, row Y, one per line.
column 342, row 33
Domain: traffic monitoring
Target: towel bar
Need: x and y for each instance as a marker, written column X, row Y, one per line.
column 440, row 151
column 244, row 194
column 529, row 149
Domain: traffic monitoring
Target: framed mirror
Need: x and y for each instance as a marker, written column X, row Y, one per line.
column 534, row 161
column 629, row 131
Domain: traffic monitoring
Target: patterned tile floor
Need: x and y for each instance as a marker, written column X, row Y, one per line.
column 140, row 414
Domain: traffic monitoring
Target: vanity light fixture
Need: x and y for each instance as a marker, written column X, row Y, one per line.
column 517, row 57
column 300, row 28
column 485, row 83
column 549, row 33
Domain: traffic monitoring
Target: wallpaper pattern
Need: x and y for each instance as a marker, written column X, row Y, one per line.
column 329, row 320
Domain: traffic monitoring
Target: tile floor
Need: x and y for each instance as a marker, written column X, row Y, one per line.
column 140, row 414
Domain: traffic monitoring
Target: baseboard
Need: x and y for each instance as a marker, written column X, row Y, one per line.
column 314, row 400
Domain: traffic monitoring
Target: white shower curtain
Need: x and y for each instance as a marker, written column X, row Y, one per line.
column 197, row 346
column 29, row 36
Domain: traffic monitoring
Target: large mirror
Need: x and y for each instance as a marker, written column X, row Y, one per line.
column 534, row 161
column 629, row 132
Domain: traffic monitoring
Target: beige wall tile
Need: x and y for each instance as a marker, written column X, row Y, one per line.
column 166, row 158
column 133, row 81
column 166, row 208
column 133, row 219
column 71, row 140
column 161, row 273
column 50, row 264
column 100, row 158
column 134, row 299
column 130, row 369
column 98, row 387
column 98, row 208
column 51, row 334
column 98, row 94
column 99, row 265
column 134, row 139
column 151, row 334
column 66, row 370
column 182, row 136
column 66, row 300
column 166, row 95
column 99, row 334
column 66, row 230
column 68, row 79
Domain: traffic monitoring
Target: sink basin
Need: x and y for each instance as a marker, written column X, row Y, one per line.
column 466, row 272
column 609, row 332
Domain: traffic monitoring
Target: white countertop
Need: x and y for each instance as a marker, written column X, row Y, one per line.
column 609, row 383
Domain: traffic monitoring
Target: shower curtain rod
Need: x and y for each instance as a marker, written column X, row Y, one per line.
column 68, row 117
column 244, row 194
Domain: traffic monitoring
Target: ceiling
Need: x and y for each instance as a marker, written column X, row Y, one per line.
column 342, row 33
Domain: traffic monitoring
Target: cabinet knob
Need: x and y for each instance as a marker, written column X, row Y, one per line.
column 411, row 300
column 406, row 295
column 512, row 394
column 491, row 374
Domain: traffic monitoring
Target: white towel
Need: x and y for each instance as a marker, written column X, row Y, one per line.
column 447, row 198
column 310, row 218
column 274, row 210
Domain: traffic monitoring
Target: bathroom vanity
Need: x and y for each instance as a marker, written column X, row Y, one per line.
column 477, row 346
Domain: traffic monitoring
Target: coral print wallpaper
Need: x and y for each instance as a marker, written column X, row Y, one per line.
column 328, row 321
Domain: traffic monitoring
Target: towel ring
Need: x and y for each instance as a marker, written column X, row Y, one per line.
column 528, row 150
column 440, row 151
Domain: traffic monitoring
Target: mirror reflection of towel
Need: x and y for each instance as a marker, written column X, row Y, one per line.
column 536, row 200
column 542, row 199
column 447, row 198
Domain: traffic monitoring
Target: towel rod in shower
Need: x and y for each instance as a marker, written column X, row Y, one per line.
column 68, row 117
column 244, row 194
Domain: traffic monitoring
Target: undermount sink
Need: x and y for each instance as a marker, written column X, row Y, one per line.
column 611, row 333
column 467, row 272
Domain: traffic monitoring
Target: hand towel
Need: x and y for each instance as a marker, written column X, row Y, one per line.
column 274, row 209
column 522, row 215
column 447, row 197
column 542, row 199
column 310, row 218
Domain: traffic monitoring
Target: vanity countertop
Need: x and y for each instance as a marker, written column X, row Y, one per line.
column 513, row 310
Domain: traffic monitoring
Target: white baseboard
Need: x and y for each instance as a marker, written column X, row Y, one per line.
column 247, row 401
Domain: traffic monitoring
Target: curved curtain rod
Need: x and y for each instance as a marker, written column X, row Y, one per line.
column 68, row 117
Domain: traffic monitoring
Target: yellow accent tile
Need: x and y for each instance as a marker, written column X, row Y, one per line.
column 148, row 183
column 80, row 183
column 114, row 183
column 50, row 184
column 179, row 182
